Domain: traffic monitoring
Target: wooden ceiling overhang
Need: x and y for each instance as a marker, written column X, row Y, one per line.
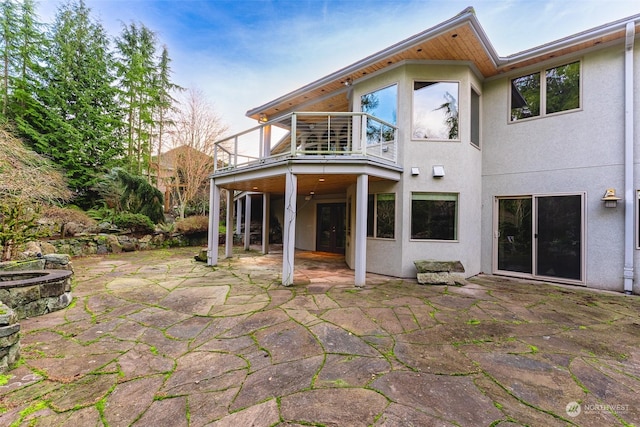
column 313, row 177
column 461, row 39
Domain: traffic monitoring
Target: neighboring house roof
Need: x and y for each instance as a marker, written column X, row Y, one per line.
column 460, row 38
column 168, row 159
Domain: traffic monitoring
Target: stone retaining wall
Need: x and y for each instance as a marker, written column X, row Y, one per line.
column 101, row 244
column 9, row 338
column 35, row 292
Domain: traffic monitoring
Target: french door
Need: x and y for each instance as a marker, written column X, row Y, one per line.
column 331, row 228
column 540, row 236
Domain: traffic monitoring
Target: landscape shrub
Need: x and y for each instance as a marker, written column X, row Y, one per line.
column 137, row 223
column 62, row 217
column 193, row 224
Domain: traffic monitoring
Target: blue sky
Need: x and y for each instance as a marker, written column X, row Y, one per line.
column 242, row 54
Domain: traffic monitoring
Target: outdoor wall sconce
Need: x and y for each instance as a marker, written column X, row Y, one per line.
column 438, row 171
column 610, row 200
column 415, row 171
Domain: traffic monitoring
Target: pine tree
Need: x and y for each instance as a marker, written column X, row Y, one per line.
column 82, row 128
column 137, row 71
column 26, row 82
column 165, row 103
column 8, row 25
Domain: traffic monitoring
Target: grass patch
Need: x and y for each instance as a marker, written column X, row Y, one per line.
column 5, row 379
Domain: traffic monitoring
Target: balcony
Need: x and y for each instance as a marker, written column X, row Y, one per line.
column 309, row 135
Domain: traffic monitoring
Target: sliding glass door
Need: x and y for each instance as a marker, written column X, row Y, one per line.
column 540, row 236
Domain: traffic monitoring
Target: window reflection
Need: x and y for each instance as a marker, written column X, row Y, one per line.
column 382, row 103
column 435, row 110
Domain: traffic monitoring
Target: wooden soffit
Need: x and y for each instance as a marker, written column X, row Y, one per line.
column 460, row 39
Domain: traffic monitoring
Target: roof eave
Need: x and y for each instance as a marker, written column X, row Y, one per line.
column 466, row 16
column 584, row 36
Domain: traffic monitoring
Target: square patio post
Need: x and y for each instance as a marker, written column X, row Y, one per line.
column 239, row 216
column 247, row 221
column 214, row 223
column 266, row 200
column 362, row 193
column 229, row 236
column 289, row 227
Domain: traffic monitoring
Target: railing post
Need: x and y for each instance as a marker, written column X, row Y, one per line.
column 261, row 143
column 215, row 157
column 235, row 151
column 293, row 134
column 363, row 134
column 267, row 141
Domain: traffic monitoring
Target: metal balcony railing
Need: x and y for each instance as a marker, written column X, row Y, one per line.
column 308, row 134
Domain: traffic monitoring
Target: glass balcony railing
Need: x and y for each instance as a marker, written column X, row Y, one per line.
column 309, row 134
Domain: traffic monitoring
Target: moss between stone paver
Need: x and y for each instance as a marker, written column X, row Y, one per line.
column 194, row 344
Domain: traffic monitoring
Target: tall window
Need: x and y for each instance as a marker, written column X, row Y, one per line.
column 434, row 216
column 435, row 110
column 381, row 215
column 475, row 118
column 382, row 103
column 551, row 91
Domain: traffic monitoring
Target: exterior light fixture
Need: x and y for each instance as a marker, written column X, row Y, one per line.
column 610, row 200
column 438, row 171
column 263, row 118
column 321, row 180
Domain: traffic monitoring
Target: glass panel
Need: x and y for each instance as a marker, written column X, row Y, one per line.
column 563, row 88
column 525, row 97
column 340, row 227
column 433, row 216
column 324, row 225
column 435, row 110
column 371, row 211
column 475, row 118
column 385, row 216
column 514, row 235
column 559, row 251
column 382, row 103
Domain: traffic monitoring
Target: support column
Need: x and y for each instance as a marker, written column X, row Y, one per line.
column 362, row 194
column 247, row 221
column 266, row 221
column 289, row 228
column 214, row 223
column 229, row 236
column 239, row 216
column 266, row 138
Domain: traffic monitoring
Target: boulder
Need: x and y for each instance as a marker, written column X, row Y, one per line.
column 432, row 272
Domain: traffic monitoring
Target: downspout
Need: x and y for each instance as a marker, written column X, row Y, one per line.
column 629, row 198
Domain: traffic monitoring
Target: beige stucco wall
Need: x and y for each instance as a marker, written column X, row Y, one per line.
column 460, row 159
column 573, row 152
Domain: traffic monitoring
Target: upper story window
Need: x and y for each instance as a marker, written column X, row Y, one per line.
column 435, row 110
column 382, row 103
column 475, row 118
column 551, row 91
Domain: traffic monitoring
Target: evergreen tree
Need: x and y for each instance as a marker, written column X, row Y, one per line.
column 83, row 123
column 138, row 76
column 26, row 83
column 8, row 25
column 164, row 101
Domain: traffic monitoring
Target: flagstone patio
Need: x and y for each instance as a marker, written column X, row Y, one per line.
column 157, row 339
